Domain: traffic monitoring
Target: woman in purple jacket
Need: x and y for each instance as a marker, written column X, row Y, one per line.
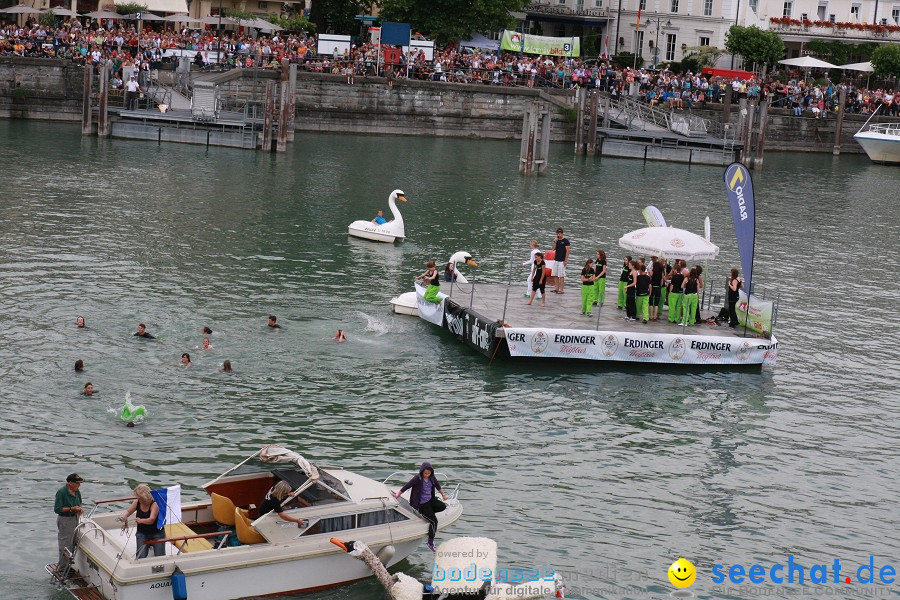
column 421, row 497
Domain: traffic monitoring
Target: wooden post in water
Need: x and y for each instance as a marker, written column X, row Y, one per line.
column 579, row 120
column 544, row 151
column 761, row 136
column 292, row 78
column 523, row 147
column 726, row 107
column 839, row 126
column 592, row 131
column 103, row 114
column 283, row 107
column 748, row 132
column 268, row 116
column 606, row 113
column 87, row 111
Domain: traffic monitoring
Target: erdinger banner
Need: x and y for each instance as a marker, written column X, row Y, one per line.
column 471, row 328
column 639, row 347
column 515, row 41
column 740, row 194
column 431, row 312
column 759, row 317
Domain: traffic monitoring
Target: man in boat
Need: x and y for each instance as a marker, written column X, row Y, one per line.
column 67, row 507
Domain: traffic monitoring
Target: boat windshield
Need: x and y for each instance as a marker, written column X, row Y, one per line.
column 324, row 490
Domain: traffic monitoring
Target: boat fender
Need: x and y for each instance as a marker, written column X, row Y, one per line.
column 179, row 585
column 386, row 554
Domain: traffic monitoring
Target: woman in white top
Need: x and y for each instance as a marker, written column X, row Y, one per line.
column 530, row 264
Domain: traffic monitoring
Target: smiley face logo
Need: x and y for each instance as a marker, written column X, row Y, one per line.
column 682, row 573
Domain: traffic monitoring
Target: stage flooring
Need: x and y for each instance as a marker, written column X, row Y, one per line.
column 562, row 311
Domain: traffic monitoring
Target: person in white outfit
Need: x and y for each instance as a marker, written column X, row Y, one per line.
column 530, row 264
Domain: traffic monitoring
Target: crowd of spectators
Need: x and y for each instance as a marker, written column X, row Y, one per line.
column 120, row 44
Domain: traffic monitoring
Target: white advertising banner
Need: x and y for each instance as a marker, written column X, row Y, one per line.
column 431, row 312
column 669, row 348
column 760, row 317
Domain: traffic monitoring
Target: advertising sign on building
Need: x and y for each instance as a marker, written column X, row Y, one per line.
column 515, row 41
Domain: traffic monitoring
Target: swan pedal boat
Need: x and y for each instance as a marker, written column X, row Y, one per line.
column 408, row 304
column 276, row 556
column 389, row 232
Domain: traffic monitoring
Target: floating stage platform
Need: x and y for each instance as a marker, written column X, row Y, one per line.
column 494, row 320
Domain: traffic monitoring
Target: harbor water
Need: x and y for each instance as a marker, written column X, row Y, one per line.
column 605, row 475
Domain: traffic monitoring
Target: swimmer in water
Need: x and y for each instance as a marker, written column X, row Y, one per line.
column 79, row 365
column 142, row 332
column 186, row 360
column 79, row 322
column 89, row 389
column 273, row 322
column 339, row 336
column 226, row 367
column 206, row 344
column 206, row 331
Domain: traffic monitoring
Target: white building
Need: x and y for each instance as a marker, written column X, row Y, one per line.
column 668, row 27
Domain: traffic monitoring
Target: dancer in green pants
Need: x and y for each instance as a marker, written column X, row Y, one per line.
column 623, row 281
column 689, row 302
column 642, row 296
column 587, row 287
column 600, row 276
column 676, row 293
column 432, row 280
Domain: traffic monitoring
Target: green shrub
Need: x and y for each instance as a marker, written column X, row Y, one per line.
column 20, row 95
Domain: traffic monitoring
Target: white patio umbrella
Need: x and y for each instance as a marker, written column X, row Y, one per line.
column 61, row 12
column 865, row 67
column 182, row 19
column 669, row 242
column 807, row 62
column 104, row 14
column 144, row 17
column 20, row 9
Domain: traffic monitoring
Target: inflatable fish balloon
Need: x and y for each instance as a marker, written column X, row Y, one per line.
column 131, row 413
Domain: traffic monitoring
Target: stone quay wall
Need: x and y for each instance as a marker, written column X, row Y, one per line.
column 46, row 89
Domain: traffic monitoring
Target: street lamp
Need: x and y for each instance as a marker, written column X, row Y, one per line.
column 656, row 45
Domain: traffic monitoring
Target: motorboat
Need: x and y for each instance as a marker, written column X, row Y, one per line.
column 881, row 142
column 275, row 556
column 407, row 303
column 388, row 232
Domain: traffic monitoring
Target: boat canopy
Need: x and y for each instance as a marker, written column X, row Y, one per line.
column 280, row 454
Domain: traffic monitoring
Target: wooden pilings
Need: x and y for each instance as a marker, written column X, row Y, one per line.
column 592, row 127
column 268, row 116
column 839, row 126
column 761, row 135
column 580, row 95
column 535, row 148
column 87, row 112
column 292, row 94
column 103, row 113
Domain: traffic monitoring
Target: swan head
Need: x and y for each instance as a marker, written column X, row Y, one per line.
column 463, row 257
column 398, row 195
column 353, row 548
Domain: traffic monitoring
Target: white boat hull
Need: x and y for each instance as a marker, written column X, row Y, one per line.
column 881, row 147
column 377, row 233
column 406, row 304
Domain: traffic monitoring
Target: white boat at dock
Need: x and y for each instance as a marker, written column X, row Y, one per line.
column 881, row 142
column 275, row 557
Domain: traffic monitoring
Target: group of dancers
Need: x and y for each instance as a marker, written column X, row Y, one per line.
column 644, row 287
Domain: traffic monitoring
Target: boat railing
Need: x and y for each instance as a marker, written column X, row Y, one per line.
column 886, row 128
column 110, row 501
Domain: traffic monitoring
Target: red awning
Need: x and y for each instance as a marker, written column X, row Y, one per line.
column 731, row 73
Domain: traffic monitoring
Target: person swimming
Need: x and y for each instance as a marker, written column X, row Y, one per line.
column 186, row 359
column 206, row 344
column 206, row 331
column 79, row 365
column 79, row 322
column 339, row 336
column 226, row 367
column 89, row 389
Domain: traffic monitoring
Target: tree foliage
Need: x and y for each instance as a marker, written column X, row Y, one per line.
column 840, row 53
column 337, row 16
column 295, row 22
column 754, row 45
column 129, row 8
column 448, row 20
column 886, row 60
column 238, row 14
